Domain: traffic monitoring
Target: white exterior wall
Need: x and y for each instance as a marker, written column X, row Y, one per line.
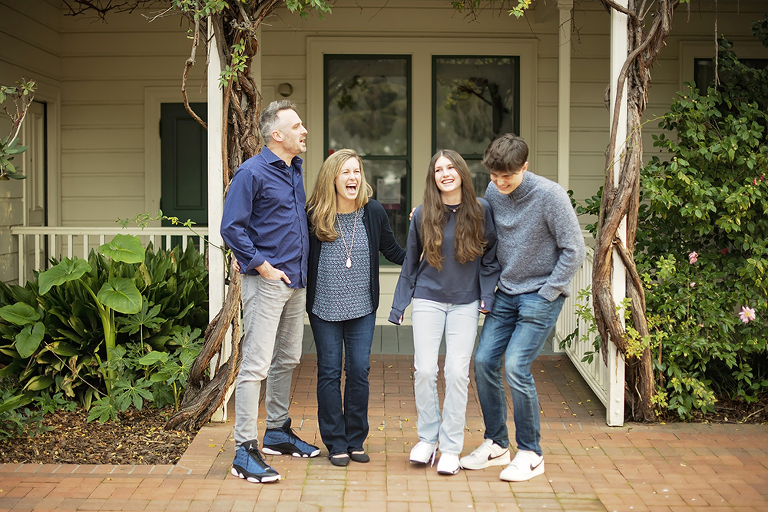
column 114, row 75
column 30, row 39
column 590, row 67
column 104, row 82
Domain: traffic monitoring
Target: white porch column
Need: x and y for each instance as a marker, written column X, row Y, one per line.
column 565, row 8
column 619, row 50
column 215, row 198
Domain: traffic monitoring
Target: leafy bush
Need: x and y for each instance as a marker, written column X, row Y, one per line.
column 54, row 341
column 703, row 243
column 16, row 419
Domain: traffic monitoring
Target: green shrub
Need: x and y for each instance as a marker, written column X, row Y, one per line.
column 703, row 249
column 703, row 243
column 55, row 341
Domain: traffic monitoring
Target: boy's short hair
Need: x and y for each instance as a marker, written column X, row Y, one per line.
column 508, row 153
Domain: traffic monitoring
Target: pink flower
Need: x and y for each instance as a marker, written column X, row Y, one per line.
column 693, row 257
column 692, row 285
column 754, row 181
column 747, row 314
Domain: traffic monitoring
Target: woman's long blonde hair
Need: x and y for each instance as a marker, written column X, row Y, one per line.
column 321, row 207
column 469, row 232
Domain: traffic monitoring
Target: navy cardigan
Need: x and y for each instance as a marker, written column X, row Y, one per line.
column 379, row 237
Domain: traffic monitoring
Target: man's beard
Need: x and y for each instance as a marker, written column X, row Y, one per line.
column 294, row 147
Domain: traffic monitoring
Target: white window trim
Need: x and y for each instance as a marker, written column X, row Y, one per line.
column 421, row 51
column 51, row 96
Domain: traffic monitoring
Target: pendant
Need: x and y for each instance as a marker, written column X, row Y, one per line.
column 349, row 262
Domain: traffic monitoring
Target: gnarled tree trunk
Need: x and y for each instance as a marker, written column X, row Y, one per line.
column 623, row 200
column 234, row 27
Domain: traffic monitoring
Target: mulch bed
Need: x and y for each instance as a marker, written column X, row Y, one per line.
column 138, row 438
column 730, row 411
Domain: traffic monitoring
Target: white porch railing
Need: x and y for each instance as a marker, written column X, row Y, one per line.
column 596, row 373
column 37, row 244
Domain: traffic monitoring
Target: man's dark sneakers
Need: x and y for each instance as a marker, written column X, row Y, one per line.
column 284, row 441
column 250, row 465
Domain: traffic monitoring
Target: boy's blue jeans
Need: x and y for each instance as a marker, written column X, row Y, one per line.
column 515, row 330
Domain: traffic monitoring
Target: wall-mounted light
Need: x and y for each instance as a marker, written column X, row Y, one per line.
column 285, row 89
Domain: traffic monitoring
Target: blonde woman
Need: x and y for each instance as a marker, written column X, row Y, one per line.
column 347, row 231
column 450, row 272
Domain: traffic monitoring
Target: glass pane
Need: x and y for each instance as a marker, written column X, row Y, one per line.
column 390, row 187
column 703, row 74
column 475, row 101
column 480, row 176
column 368, row 104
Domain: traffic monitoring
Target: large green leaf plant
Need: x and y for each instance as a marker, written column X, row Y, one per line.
column 118, row 294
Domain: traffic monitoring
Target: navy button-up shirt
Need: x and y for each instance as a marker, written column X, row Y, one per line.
column 264, row 217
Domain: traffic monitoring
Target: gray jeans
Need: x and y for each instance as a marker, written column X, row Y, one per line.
column 459, row 323
column 273, row 324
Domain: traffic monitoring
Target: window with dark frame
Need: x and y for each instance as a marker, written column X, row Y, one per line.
column 474, row 100
column 368, row 109
column 704, row 71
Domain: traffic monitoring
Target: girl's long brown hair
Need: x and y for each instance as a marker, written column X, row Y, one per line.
column 469, row 233
column 321, row 207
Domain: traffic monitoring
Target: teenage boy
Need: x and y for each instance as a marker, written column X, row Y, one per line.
column 265, row 225
column 540, row 248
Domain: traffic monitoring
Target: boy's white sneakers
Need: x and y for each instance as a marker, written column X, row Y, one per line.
column 423, row 452
column 448, row 464
column 525, row 466
column 487, row 454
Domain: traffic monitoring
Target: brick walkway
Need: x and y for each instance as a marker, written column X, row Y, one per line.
column 590, row 467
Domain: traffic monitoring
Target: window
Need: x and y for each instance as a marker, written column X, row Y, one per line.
column 704, row 71
column 368, row 109
column 475, row 99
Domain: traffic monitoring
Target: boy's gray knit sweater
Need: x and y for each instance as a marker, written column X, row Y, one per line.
column 540, row 245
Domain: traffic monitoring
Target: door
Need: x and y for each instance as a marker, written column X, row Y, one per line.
column 184, row 164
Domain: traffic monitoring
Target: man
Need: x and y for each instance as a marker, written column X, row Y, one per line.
column 540, row 248
column 265, row 225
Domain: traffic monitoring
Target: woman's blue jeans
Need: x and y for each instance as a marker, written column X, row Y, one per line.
column 515, row 330
column 343, row 427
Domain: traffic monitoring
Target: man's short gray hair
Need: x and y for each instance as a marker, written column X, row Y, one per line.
column 268, row 121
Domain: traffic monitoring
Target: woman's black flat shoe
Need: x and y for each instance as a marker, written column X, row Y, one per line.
column 359, row 456
column 341, row 459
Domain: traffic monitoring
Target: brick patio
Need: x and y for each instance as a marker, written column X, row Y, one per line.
column 590, row 467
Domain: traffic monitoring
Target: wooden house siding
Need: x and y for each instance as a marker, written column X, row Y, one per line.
column 106, row 69
column 30, row 35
